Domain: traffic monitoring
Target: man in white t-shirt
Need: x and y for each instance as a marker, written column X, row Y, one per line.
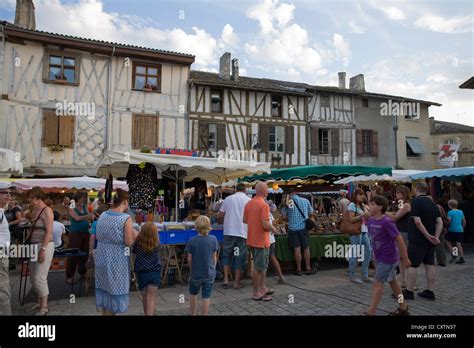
column 58, row 230
column 5, row 198
column 235, row 234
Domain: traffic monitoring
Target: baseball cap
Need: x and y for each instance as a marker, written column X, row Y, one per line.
column 4, row 185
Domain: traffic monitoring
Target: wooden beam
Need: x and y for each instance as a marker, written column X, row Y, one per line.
column 236, row 104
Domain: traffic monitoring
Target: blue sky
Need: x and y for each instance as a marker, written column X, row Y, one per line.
column 418, row 49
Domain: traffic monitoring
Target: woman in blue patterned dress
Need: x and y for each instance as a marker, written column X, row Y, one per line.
column 115, row 234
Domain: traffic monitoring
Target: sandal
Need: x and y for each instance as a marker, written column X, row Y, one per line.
column 224, row 285
column 298, row 273
column 269, row 292
column 281, row 281
column 35, row 307
column 313, row 271
column 43, row 311
column 240, row 286
column 264, row 298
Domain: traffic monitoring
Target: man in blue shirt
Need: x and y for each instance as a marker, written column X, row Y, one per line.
column 298, row 235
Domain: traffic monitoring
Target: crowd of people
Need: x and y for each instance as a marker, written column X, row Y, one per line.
column 395, row 242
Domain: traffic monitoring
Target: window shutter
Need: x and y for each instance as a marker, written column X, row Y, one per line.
column 66, row 131
column 50, row 128
column 148, row 131
column 360, row 150
column 335, row 142
column 314, row 141
column 289, row 139
column 221, row 136
column 135, row 131
column 263, row 136
column 203, row 136
column 375, row 144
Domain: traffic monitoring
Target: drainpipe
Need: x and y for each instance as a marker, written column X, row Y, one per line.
column 395, row 129
column 186, row 116
column 107, row 97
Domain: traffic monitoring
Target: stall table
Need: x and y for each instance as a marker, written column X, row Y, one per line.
column 317, row 243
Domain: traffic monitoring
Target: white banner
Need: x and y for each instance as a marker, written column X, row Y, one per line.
column 448, row 154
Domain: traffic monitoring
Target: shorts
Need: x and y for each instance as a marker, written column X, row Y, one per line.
column 272, row 250
column 454, row 237
column 298, row 239
column 421, row 253
column 235, row 247
column 148, row 278
column 206, row 284
column 385, row 272
column 261, row 257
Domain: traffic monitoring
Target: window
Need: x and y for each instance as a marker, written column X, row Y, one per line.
column 61, row 67
column 145, row 131
column 365, row 102
column 449, row 141
column 323, row 137
column 276, row 138
column 146, row 77
column 367, row 143
column 212, row 144
column 58, row 130
column 276, row 105
column 414, row 147
column 325, row 101
column 216, row 100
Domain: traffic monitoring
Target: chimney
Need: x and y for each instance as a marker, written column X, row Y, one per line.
column 224, row 66
column 235, row 69
column 25, row 14
column 342, row 80
column 357, row 83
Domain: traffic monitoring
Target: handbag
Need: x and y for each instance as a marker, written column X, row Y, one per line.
column 348, row 227
column 308, row 223
column 30, row 234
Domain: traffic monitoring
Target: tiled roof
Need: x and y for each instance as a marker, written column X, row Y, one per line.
column 442, row 127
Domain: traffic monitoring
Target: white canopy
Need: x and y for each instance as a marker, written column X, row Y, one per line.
column 215, row 170
column 9, row 163
column 397, row 176
column 82, row 182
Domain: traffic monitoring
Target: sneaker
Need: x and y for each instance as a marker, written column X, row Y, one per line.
column 400, row 312
column 408, row 295
column 453, row 259
column 461, row 261
column 428, row 294
column 367, row 280
column 356, row 280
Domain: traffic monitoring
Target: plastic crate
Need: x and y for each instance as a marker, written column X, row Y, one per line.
column 162, row 235
column 218, row 233
column 177, row 237
column 58, row 264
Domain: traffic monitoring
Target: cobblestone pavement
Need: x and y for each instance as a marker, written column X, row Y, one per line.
column 326, row 293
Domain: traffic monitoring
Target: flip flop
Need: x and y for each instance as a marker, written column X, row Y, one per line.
column 238, row 287
column 264, row 298
column 269, row 292
column 224, row 286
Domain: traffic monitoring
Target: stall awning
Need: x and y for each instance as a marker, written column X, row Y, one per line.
column 397, row 176
column 215, row 170
column 80, row 183
column 445, row 173
column 310, row 172
column 9, row 163
column 415, row 145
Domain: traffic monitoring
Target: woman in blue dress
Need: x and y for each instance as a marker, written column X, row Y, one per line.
column 115, row 235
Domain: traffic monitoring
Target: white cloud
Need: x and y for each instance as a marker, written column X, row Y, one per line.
column 341, row 47
column 393, row 13
column 87, row 18
column 437, row 78
column 446, row 25
column 228, row 38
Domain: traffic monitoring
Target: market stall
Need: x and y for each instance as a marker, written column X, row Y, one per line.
column 80, row 183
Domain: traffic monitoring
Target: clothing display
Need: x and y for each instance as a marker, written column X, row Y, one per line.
column 142, row 182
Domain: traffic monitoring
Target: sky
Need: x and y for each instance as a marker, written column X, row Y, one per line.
column 417, row 49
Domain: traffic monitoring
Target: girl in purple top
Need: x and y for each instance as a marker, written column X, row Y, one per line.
column 388, row 246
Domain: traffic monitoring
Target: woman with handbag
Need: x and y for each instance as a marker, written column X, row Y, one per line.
column 41, row 234
column 358, row 214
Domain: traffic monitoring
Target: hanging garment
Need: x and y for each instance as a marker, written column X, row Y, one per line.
column 142, row 183
column 109, row 187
